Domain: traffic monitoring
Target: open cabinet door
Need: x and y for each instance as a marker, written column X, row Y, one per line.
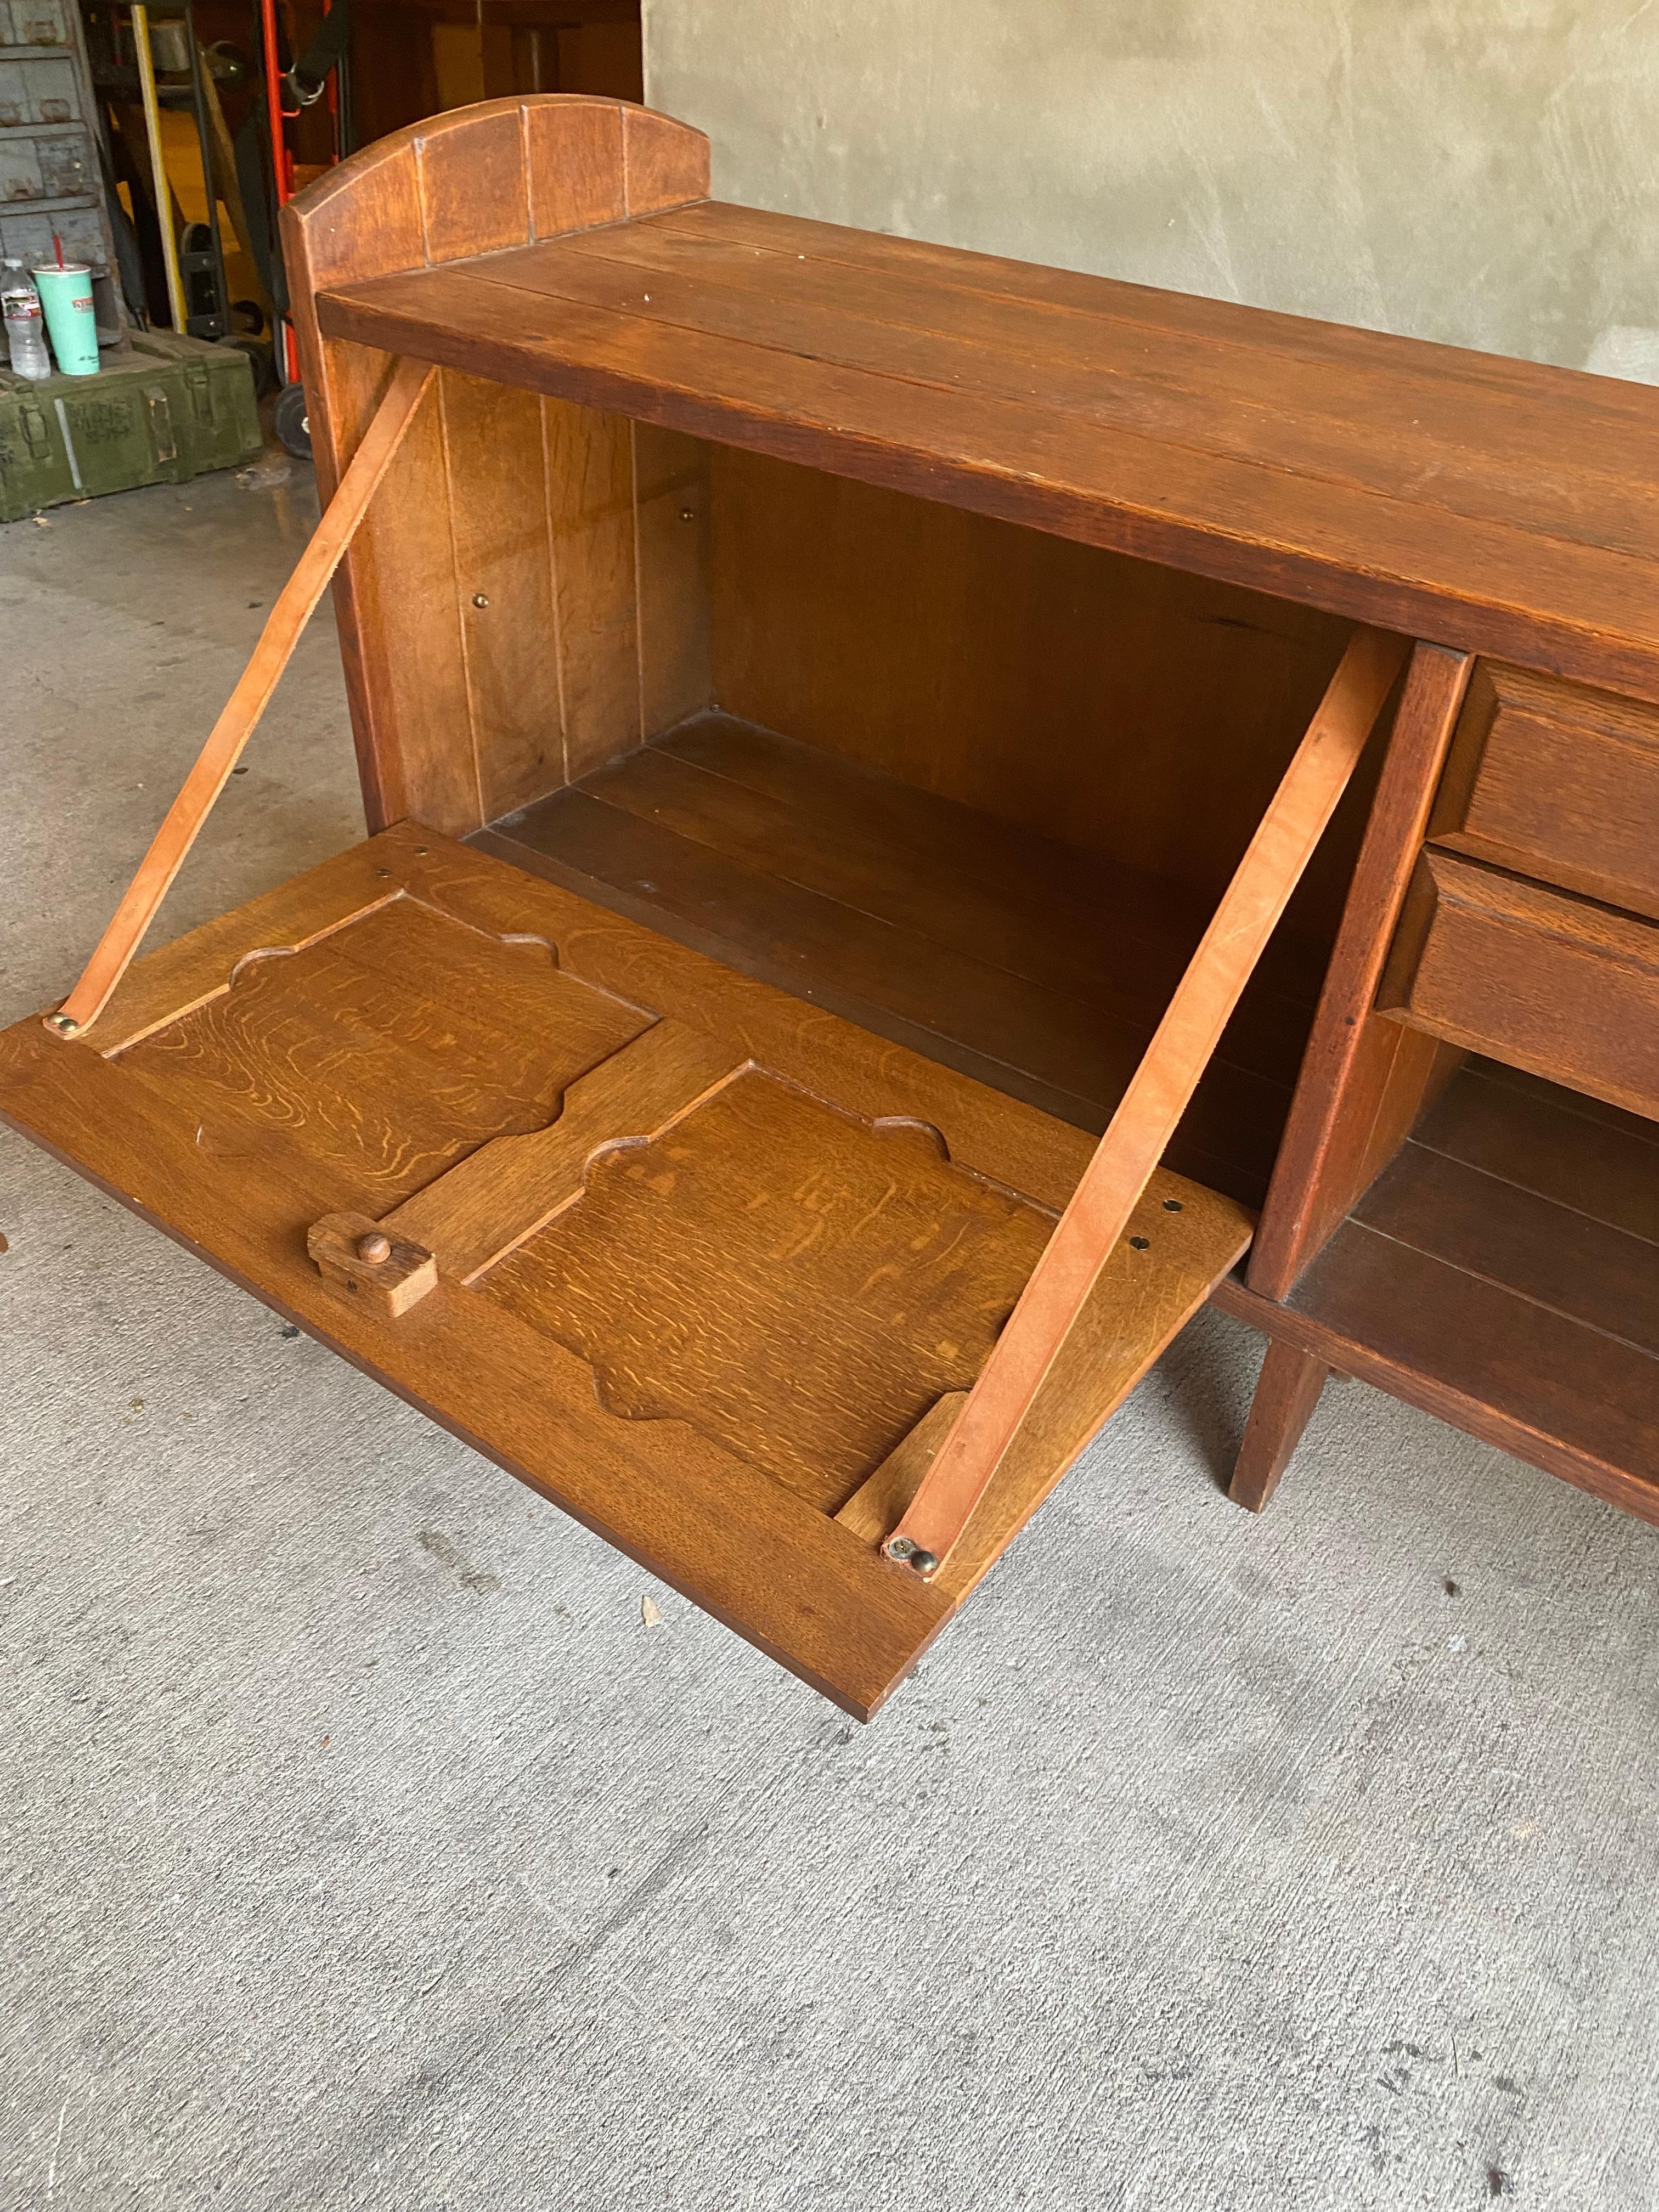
column 710, row 1269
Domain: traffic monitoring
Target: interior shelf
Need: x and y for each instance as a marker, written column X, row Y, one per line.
column 1508, row 1258
column 1037, row 967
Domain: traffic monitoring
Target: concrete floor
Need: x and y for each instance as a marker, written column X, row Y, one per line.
column 361, row 1846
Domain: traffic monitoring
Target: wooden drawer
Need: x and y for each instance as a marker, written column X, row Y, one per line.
column 1556, row 780
column 1546, row 981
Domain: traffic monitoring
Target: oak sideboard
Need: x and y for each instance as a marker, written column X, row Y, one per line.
column 815, row 693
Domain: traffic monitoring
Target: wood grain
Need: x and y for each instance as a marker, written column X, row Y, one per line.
column 574, row 154
column 346, row 1248
column 746, row 1245
column 1515, row 1375
column 1526, row 1377
column 1286, row 1392
column 387, row 1050
column 501, row 533
column 590, row 479
column 1590, row 1271
column 474, row 189
column 1362, row 1081
column 1343, row 474
column 1008, row 955
column 1141, row 1127
column 1070, row 690
column 1177, row 1249
column 486, row 1204
column 405, row 673
column 211, row 770
column 1040, row 907
column 995, row 1136
column 1519, row 1224
column 1557, row 781
column 673, row 527
column 1395, row 411
column 1566, row 989
column 796, row 1283
column 1605, row 1116
column 467, row 510
column 802, row 1589
column 665, row 164
column 939, row 538
column 1543, row 1143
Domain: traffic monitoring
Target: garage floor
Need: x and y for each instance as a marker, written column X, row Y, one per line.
column 361, row 1845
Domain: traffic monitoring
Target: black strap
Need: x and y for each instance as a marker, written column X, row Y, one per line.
column 129, row 260
column 258, row 187
column 310, row 73
column 255, row 174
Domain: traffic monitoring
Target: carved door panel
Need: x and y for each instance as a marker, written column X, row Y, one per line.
column 705, row 1265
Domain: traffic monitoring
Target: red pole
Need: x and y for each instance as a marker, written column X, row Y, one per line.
column 334, row 95
column 282, row 163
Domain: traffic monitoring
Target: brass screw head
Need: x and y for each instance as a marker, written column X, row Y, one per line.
column 900, row 1549
column 62, row 1025
column 374, row 1248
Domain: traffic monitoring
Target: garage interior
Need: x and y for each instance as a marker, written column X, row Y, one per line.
column 373, row 1834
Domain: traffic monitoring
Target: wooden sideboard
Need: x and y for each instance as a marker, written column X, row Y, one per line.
column 812, row 691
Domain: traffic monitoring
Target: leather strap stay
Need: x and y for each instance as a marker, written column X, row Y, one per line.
column 289, row 617
column 1157, row 1096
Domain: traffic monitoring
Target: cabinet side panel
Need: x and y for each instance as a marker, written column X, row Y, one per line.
column 503, row 545
column 404, row 683
column 590, row 468
column 461, row 711
column 671, row 488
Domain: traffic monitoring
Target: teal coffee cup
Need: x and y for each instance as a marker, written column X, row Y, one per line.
column 66, row 302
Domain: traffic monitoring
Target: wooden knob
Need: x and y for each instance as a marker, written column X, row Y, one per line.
column 375, row 1247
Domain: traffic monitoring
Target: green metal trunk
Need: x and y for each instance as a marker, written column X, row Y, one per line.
column 162, row 413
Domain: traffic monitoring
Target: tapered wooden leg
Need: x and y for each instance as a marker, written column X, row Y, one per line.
column 1285, row 1395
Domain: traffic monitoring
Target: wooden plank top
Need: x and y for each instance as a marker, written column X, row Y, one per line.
column 1476, row 502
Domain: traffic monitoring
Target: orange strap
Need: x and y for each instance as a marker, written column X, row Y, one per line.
column 281, row 634
column 1154, row 1102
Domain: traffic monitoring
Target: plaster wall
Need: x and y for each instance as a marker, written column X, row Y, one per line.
column 1481, row 171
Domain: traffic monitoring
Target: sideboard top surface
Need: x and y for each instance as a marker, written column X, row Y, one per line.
column 1478, row 502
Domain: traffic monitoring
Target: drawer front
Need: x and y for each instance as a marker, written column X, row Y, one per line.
column 1546, row 981
column 1557, row 781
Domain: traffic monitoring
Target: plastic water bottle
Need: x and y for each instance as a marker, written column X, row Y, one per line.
column 25, row 332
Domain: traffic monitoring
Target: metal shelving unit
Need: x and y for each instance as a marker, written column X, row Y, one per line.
column 42, row 148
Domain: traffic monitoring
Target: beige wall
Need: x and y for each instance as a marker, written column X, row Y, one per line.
column 1484, row 172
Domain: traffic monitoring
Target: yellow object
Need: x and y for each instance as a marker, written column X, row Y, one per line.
column 158, row 168
column 182, row 150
